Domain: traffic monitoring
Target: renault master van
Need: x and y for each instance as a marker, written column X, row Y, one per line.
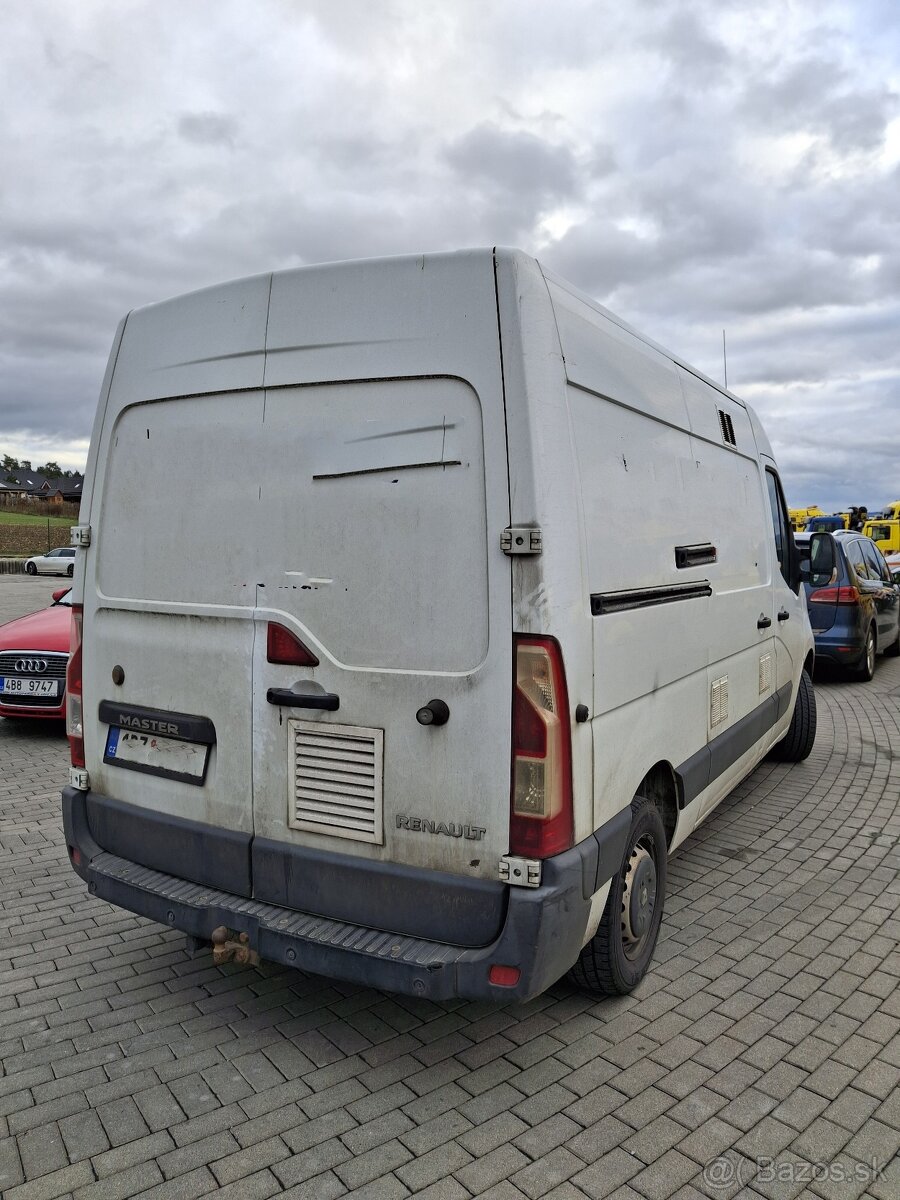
column 373, row 672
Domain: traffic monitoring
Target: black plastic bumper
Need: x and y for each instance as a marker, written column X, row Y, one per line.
column 541, row 936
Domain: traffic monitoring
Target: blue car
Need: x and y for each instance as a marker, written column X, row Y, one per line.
column 854, row 609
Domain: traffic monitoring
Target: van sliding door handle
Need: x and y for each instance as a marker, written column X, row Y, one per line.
column 325, row 700
column 763, row 622
column 784, row 615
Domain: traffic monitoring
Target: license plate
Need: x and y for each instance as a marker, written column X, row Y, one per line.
column 29, row 687
column 171, row 757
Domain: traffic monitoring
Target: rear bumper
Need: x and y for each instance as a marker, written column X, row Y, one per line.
column 542, row 933
column 847, row 647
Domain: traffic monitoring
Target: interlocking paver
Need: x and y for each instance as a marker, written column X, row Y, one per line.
column 493, row 1167
column 768, row 1027
column 309, row 1163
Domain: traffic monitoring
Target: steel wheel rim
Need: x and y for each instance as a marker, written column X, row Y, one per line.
column 639, row 898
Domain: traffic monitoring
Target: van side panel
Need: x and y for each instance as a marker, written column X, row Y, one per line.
column 677, row 565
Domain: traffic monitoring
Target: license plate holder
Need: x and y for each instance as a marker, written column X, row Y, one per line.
column 154, row 754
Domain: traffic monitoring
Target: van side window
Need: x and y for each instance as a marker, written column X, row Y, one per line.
column 779, row 525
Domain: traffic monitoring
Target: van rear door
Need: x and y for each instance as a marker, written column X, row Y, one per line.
column 353, row 496
column 168, row 611
column 381, row 502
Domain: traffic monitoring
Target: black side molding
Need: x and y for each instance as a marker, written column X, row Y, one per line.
column 701, row 769
column 613, row 602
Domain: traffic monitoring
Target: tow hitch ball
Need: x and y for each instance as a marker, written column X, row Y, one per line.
column 227, row 949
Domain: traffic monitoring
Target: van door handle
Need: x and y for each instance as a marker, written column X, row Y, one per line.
column 325, row 700
column 784, row 615
column 763, row 622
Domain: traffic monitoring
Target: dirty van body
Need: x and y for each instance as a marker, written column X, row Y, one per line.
column 368, row 677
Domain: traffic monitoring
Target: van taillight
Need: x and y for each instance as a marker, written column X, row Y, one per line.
column 74, row 711
column 540, row 821
column 835, row 595
column 283, row 647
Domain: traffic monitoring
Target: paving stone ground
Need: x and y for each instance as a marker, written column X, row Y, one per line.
column 760, row 1057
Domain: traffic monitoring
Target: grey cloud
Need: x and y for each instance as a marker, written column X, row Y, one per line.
column 817, row 96
column 685, row 43
column 208, row 129
column 517, row 163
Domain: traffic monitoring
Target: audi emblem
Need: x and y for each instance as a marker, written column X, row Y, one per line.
column 31, row 666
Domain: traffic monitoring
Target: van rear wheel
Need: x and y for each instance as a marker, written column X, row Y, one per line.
column 616, row 958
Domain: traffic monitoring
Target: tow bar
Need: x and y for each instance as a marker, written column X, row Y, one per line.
column 226, row 949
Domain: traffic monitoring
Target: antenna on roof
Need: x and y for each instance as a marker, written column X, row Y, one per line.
column 725, row 360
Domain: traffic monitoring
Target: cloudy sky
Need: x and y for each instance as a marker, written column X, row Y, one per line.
column 696, row 165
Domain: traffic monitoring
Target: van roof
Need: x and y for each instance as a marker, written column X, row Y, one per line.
column 498, row 253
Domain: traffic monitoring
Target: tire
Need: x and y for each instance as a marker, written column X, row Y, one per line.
column 616, row 959
column 866, row 669
column 71, row 571
column 30, row 569
column 801, row 735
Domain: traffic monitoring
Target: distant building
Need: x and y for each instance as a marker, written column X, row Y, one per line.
column 31, row 487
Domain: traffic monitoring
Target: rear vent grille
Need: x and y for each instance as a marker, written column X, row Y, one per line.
column 727, row 426
column 335, row 784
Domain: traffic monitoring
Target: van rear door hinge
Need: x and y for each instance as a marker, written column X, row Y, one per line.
column 80, row 535
column 522, row 539
column 521, row 872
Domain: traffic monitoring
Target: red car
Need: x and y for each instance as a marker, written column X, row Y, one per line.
column 34, row 654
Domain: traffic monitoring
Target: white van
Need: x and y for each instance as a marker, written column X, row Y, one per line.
column 381, row 676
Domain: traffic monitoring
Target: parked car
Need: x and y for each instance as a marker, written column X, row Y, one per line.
column 34, row 655
column 893, row 562
column 55, row 562
column 855, row 611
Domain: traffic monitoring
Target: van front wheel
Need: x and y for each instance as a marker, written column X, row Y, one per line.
column 801, row 735
column 616, row 958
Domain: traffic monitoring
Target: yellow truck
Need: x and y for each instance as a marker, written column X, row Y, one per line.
column 885, row 533
column 799, row 516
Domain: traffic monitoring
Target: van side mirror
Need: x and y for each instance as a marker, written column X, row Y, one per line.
column 818, row 568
